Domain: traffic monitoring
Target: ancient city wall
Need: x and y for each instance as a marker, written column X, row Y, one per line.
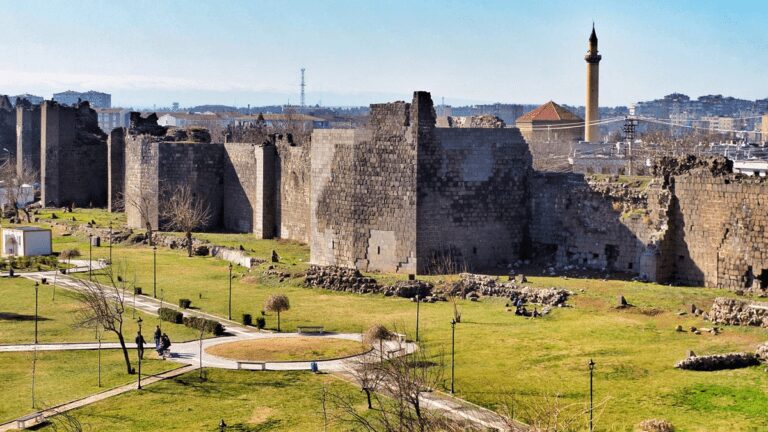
column 240, row 184
column 141, row 181
column 73, row 168
column 720, row 230
column 28, row 137
column 598, row 223
column 293, row 175
column 116, row 169
column 472, row 190
column 7, row 130
column 155, row 168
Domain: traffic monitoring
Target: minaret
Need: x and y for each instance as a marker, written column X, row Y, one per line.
column 591, row 130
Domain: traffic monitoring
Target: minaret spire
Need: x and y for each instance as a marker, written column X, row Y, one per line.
column 592, row 115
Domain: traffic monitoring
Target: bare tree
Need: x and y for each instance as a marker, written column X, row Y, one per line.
column 184, row 211
column 548, row 413
column 396, row 403
column 378, row 333
column 104, row 305
column 277, row 303
column 140, row 200
column 18, row 183
column 367, row 374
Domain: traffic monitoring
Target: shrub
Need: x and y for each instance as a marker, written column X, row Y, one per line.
column 170, row 315
column 185, row 303
column 656, row 425
column 206, row 325
column 136, row 290
column 69, row 253
column 247, row 319
column 261, row 322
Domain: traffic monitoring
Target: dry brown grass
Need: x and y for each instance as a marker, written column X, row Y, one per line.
column 287, row 349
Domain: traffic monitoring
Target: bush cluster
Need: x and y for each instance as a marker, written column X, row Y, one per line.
column 171, row 315
column 261, row 322
column 207, row 325
column 185, row 303
column 247, row 319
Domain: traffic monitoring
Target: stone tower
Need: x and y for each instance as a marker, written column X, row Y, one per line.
column 591, row 115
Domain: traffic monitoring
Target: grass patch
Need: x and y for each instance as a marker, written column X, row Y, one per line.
column 263, row 401
column 56, row 316
column 497, row 353
column 63, row 376
column 287, row 349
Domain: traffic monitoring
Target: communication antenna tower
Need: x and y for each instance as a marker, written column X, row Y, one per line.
column 302, row 87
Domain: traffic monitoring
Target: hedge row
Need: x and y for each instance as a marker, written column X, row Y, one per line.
column 176, row 317
column 170, row 315
column 210, row 326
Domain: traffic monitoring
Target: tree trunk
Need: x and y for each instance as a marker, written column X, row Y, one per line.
column 125, row 352
column 368, row 395
column 149, row 234
column 189, row 243
column 278, row 321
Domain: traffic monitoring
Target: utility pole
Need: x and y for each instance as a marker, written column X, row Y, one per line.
column 591, row 365
column 303, row 85
column 630, row 127
column 453, row 352
column 230, row 291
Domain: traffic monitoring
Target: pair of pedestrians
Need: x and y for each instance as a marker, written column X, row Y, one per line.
column 162, row 343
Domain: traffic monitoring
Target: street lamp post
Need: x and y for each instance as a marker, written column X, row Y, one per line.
column 90, row 256
column 37, row 288
column 591, row 365
column 138, row 321
column 453, row 352
column 418, row 300
column 162, row 296
column 98, row 336
column 154, row 271
column 230, row 291
column 110, row 242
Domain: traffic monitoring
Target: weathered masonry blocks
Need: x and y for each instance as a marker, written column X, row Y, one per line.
column 240, row 182
column 73, row 154
column 403, row 196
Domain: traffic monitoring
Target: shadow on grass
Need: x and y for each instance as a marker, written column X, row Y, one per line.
column 13, row 316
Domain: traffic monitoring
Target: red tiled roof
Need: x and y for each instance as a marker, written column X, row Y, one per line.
column 550, row 111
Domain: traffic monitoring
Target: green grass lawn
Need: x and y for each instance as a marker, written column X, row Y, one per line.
column 62, row 376
column 498, row 354
column 57, row 317
column 82, row 216
column 247, row 401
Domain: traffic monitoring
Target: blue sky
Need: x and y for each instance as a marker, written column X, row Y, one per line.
column 359, row 52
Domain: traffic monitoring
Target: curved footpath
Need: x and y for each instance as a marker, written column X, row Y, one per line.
column 188, row 353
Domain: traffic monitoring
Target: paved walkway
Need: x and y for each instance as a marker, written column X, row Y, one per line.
column 188, row 353
column 58, row 409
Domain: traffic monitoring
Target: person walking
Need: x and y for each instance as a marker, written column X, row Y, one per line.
column 140, row 345
column 158, row 333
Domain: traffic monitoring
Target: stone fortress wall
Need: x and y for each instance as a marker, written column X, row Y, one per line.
column 73, row 155
column 28, row 136
column 363, row 199
column 719, row 225
column 403, row 195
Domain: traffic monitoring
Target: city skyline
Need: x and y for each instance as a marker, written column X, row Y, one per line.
column 356, row 54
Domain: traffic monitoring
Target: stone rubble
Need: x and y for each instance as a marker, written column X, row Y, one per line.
column 351, row 280
column 473, row 285
column 738, row 312
column 718, row 362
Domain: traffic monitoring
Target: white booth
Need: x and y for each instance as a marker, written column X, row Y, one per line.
column 26, row 241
